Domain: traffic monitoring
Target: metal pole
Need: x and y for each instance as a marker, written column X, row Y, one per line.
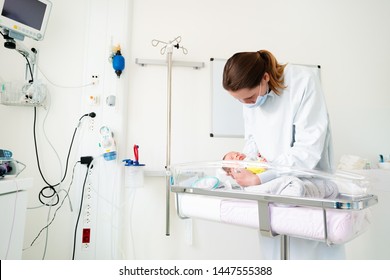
column 168, row 48
column 168, row 149
column 284, row 247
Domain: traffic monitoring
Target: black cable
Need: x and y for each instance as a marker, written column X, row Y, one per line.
column 49, row 186
column 36, row 146
column 92, row 115
column 79, row 214
column 55, row 213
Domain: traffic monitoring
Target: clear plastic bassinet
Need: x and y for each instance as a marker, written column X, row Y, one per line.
column 308, row 204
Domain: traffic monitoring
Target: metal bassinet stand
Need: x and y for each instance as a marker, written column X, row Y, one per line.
column 343, row 202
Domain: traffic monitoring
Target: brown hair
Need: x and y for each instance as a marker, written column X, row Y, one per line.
column 246, row 69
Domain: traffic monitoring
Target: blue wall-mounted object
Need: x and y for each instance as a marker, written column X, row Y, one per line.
column 118, row 63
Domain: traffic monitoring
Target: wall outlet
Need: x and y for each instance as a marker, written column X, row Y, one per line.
column 91, row 124
column 93, row 100
column 95, row 79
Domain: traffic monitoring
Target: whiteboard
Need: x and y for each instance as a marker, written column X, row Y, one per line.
column 227, row 113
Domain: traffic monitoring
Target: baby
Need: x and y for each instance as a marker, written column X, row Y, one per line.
column 287, row 185
column 240, row 156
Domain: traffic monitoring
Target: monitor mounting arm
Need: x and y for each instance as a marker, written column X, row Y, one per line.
column 29, row 54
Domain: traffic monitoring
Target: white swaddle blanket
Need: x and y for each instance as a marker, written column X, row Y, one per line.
column 298, row 187
column 284, row 185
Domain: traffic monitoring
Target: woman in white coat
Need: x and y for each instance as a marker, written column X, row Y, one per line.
column 286, row 121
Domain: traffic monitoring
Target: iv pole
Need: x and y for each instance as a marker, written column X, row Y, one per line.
column 168, row 49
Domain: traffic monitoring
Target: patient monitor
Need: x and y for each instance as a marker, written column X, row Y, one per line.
column 20, row 18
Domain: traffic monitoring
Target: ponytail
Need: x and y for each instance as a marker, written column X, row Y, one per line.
column 275, row 71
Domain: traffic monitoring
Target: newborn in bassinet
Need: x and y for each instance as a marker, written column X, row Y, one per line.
column 240, row 156
column 284, row 185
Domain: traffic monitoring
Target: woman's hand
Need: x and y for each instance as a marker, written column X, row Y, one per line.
column 245, row 178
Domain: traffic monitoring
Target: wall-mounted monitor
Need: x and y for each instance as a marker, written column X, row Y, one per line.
column 25, row 18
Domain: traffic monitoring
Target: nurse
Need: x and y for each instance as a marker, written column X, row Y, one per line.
column 285, row 114
column 286, row 121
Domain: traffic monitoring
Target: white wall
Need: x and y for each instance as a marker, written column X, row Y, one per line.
column 347, row 38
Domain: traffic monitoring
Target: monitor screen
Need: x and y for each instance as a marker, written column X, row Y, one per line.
column 27, row 17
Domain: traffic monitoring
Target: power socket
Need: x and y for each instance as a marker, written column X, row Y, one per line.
column 92, row 124
column 95, row 79
column 93, row 100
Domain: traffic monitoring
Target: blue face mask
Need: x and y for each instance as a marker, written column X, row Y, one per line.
column 259, row 101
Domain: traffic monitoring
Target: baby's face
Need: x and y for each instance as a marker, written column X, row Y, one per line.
column 235, row 156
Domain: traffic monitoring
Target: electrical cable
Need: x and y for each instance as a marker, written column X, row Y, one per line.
column 39, row 166
column 60, row 164
column 62, row 86
column 47, row 138
column 51, row 145
column 49, row 186
column 47, row 233
column 55, row 213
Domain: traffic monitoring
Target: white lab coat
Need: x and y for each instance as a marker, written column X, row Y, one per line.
column 292, row 129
